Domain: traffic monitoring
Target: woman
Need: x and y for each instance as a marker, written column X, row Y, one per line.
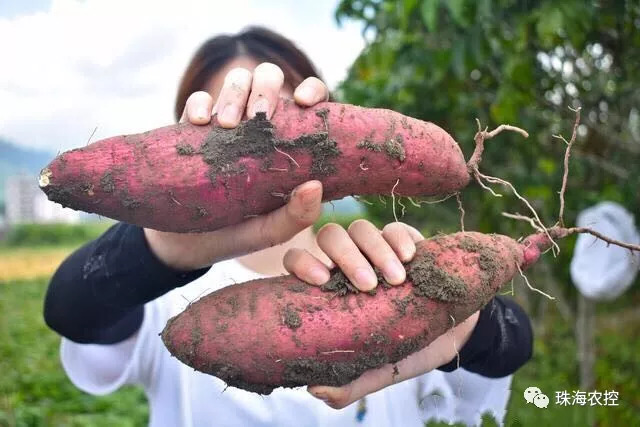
column 111, row 297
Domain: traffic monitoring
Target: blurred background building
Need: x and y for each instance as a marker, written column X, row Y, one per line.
column 25, row 203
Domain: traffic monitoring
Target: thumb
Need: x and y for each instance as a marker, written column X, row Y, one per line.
column 368, row 382
column 305, row 206
column 442, row 350
column 376, row 379
column 302, row 210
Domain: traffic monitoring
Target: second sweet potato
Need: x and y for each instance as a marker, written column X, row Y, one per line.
column 281, row 332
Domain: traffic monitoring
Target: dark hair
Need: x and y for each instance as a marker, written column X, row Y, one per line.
column 258, row 43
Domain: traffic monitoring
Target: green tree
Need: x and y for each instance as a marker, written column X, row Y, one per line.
column 522, row 62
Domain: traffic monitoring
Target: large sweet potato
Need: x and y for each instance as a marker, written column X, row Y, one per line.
column 199, row 178
column 277, row 332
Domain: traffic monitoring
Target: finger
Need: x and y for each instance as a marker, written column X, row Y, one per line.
column 265, row 89
column 416, row 235
column 305, row 266
column 369, row 382
column 372, row 243
column 276, row 227
column 197, row 109
column 399, row 238
column 338, row 245
column 310, row 92
column 302, row 210
column 233, row 97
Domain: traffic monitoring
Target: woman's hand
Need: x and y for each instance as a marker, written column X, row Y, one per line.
column 387, row 250
column 243, row 94
column 441, row 351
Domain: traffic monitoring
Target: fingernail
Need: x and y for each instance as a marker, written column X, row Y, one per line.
column 230, row 113
column 319, row 276
column 365, row 278
column 197, row 112
column 201, row 113
column 394, row 271
column 408, row 252
column 306, row 94
column 260, row 106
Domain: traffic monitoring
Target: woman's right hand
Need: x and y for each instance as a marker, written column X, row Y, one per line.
column 244, row 91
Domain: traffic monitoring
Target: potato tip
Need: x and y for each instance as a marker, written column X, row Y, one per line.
column 44, row 178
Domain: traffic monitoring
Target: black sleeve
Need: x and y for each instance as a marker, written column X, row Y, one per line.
column 98, row 293
column 501, row 342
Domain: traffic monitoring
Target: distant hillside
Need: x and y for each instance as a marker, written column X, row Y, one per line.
column 17, row 160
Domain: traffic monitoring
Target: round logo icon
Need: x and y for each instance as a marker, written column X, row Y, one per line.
column 530, row 393
column 541, row 401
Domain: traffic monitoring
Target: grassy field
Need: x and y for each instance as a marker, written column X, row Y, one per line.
column 34, row 390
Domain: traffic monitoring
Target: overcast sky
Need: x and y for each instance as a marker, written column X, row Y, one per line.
column 71, row 65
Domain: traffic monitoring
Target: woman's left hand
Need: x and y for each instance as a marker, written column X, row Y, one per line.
column 388, row 250
column 349, row 249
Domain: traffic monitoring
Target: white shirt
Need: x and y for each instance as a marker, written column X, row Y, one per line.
column 180, row 396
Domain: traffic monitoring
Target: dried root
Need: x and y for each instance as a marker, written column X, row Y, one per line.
column 559, row 230
column 472, row 165
column 393, row 199
column 461, row 209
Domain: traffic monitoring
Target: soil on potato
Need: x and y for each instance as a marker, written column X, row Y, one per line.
column 431, row 281
column 185, row 149
column 106, row 182
column 392, row 147
column 291, row 317
column 222, row 148
column 428, row 280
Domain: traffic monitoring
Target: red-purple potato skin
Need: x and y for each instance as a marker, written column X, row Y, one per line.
column 189, row 178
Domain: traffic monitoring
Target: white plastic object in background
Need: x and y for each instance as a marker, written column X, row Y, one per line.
column 601, row 271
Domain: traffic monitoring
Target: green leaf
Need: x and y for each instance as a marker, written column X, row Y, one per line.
column 477, row 45
column 483, row 9
column 520, row 70
column 429, row 11
column 550, row 20
column 504, row 108
column 458, row 60
column 441, row 60
column 522, row 37
column 456, row 8
column 612, row 192
column 547, row 166
column 405, row 11
column 539, row 192
column 409, row 5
